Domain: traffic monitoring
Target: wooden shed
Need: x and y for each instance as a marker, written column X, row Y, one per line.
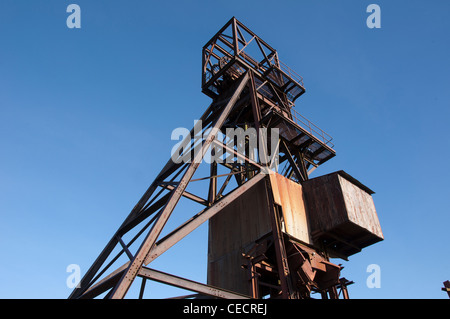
column 342, row 214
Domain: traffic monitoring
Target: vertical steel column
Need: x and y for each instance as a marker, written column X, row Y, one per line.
column 280, row 250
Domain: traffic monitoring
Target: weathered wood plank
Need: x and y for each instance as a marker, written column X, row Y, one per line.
column 341, row 210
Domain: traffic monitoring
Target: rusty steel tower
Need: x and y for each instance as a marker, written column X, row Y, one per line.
column 272, row 229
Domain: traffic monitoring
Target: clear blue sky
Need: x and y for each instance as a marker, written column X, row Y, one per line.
column 86, row 116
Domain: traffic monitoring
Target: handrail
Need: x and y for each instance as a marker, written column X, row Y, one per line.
column 292, row 74
column 312, row 128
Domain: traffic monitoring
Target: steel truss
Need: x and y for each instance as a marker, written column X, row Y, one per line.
column 242, row 103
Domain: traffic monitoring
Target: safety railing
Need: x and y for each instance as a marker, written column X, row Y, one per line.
column 312, row 128
column 292, row 74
